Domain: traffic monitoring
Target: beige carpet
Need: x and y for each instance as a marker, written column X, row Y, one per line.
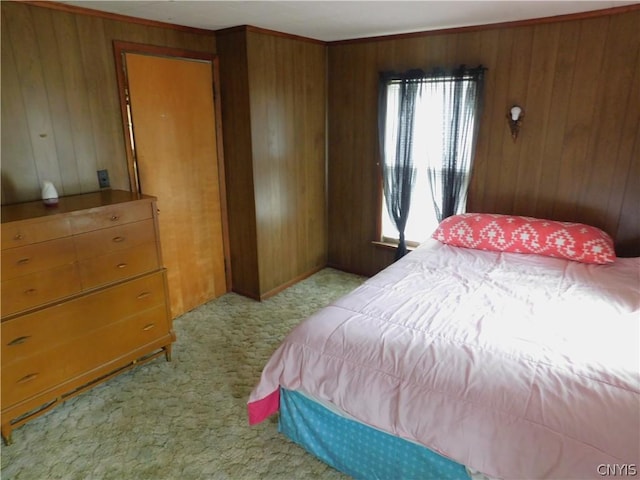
column 185, row 419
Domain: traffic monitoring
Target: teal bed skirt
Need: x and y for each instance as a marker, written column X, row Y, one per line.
column 358, row 450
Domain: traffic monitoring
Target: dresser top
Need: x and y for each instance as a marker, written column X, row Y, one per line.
column 72, row 203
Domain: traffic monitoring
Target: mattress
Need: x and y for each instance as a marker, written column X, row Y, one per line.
column 518, row 366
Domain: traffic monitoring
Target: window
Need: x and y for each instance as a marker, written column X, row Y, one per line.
column 428, row 124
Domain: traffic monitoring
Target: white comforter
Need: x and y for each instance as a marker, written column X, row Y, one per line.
column 519, row 366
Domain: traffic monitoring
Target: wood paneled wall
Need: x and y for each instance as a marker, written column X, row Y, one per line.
column 60, row 106
column 273, row 90
column 578, row 154
column 238, row 153
column 287, row 85
column 577, row 157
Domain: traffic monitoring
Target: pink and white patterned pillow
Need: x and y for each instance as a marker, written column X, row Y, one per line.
column 510, row 233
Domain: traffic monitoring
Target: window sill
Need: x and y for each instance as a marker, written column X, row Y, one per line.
column 391, row 245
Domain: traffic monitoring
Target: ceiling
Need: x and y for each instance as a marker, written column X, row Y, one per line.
column 342, row 20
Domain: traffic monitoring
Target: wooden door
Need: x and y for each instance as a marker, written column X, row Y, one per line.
column 174, row 144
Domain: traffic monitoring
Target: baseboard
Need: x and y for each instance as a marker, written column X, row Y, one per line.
column 286, row 285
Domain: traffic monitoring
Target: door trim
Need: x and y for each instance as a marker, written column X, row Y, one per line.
column 121, row 48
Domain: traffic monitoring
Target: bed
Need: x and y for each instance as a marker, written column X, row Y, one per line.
column 505, row 346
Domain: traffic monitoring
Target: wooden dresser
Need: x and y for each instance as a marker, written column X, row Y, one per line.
column 84, row 297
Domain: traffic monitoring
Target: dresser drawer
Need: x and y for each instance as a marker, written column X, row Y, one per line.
column 118, row 265
column 131, row 334
column 28, row 334
column 113, row 239
column 46, row 369
column 17, row 234
column 110, row 216
column 36, row 288
column 31, row 376
column 37, row 257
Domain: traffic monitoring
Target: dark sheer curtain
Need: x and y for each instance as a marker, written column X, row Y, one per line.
column 398, row 171
column 461, row 92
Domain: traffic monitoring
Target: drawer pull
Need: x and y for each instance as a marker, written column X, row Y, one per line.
column 24, row 261
column 144, row 295
column 115, row 217
column 149, row 327
column 18, row 341
column 118, row 239
column 31, row 291
column 27, row 378
column 18, row 236
column 122, row 265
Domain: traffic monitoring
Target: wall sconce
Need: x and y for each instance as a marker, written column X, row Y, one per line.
column 515, row 116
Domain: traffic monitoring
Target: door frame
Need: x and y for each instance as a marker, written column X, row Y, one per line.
column 120, row 48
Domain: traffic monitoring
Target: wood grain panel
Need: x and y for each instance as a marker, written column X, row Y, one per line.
column 273, row 106
column 492, row 107
column 577, row 155
column 287, row 91
column 630, row 213
column 629, row 180
column 581, row 116
column 494, row 114
column 272, row 144
column 512, row 152
column 77, row 98
column 18, row 177
column 604, row 186
column 28, row 64
column 529, row 173
column 353, row 159
column 95, row 49
column 557, row 119
column 54, row 80
column 60, row 108
column 236, row 118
